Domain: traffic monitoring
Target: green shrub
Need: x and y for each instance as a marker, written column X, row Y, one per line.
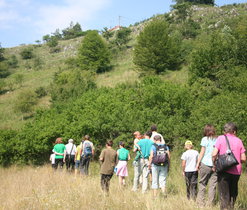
column 27, row 53
column 25, row 101
column 41, row 92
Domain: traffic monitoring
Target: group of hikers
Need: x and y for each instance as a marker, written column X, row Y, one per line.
column 152, row 162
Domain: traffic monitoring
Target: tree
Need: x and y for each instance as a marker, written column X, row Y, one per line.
column 93, row 53
column 218, row 53
column 72, row 31
column 106, row 33
column 1, row 53
column 122, row 36
column 46, row 38
column 155, row 50
column 57, row 34
column 210, row 2
column 52, row 42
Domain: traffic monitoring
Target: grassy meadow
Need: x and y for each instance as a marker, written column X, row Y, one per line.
column 41, row 188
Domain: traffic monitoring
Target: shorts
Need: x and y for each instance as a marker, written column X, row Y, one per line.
column 77, row 164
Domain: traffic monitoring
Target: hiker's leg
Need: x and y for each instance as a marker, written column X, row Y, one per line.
column 144, row 175
column 77, row 167
column 103, row 182
column 193, row 184
column 163, row 171
column 187, row 181
column 60, row 163
column 224, row 190
column 137, row 172
column 72, row 163
column 123, row 181
column 107, row 182
column 87, row 165
column 56, row 163
column 155, row 179
column 120, row 180
column 67, row 160
column 212, row 188
column 233, row 185
column 83, row 165
column 204, row 173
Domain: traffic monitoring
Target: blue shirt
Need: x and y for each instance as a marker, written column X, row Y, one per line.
column 153, row 148
column 208, row 143
column 145, row 145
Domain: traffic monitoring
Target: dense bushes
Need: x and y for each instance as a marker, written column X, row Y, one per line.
column 179, row 111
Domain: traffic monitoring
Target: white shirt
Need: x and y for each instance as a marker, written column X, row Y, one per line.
column 52, row 158
column 69, row 147
column 190, row 156
column 85, row 143
column 154, row 133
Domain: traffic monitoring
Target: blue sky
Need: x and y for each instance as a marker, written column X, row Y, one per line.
column 25, row 21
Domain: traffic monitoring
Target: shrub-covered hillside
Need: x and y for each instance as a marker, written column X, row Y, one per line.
column 179, row 70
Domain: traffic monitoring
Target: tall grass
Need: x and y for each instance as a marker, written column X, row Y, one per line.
column 41, row 188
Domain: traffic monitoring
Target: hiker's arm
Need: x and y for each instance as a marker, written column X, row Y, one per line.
column 183, row 166
column 150, row 159
column 129, row 156
column 101, row 157
column 82, row 148
column 214, row 156
column 243, row 157
column 117, row 156
column 64, row 155
column 202, row 152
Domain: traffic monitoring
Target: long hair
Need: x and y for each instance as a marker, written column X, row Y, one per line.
column 209, row 130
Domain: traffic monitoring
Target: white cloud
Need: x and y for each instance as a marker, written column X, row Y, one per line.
column 44, row 17
column 52, row 17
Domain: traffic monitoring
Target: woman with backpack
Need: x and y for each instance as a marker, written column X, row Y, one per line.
column 87, row 153
column 159, row 161
column 123, row 157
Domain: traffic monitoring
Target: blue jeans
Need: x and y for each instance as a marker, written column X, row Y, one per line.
column 159, row 174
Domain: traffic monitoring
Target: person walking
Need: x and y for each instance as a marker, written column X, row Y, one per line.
column 189, row 162
column 60, row 152
column 78, row 159
column 159, row 160
column 137, row 161
column 205, row 167
column 108, row 159
column 123, row 157
column 145, row 147
column 155, row 133
column 70, row 155
column 87, row 153
column 228, row 180
column 52, row 159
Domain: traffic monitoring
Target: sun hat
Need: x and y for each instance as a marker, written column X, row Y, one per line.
column 188, row 142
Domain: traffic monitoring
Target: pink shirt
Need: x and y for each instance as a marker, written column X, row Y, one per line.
column 237, row 148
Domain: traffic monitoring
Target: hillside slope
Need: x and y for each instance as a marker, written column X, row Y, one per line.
column 39, row 71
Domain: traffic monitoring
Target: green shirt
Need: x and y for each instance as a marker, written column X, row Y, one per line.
column 145, row 145
column 59, row 148
column 123, row 154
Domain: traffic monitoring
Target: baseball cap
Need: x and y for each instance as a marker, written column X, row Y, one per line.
column 188, row 143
